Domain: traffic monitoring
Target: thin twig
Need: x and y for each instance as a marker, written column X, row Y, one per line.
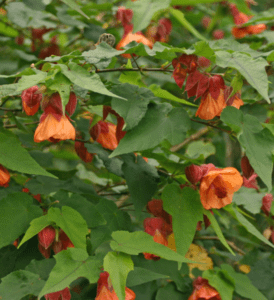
column 8, row 109
column 193, row 137
column 167, row 66
column 231, row 244
column 213, row 126
column 82, row 141
column 134, row 69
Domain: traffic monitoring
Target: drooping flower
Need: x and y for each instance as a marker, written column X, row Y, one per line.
column 51, row 49
column 60, row 295
column 67, row 243
column 267, row 203
column 218, row 186
column 124, row 16
column 46, row 236
column 251, row 182
column 105, row 134
column 195, row 173
column 4, row 176
column 218, row 34
column 159, row 32
column 82, row 151
column 31, row 99
column 155, row 207
column 203, row 291
column 105, row 289
column 235, row 100
column 130, row 37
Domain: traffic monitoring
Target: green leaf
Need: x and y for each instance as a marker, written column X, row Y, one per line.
column 81, row 77
column 8, row 31
column 28, row 81
column 257, row 141
column 246, row 224
column 143, row 11
column 177, row 14
column 87, row 210
column 118, row 265
column 16, row 212
column 160, row 122
column 252, row 69
column 60, row 84
column 221, row 281
column 8, row 90
column 135, row 108
column 36, row 226
column 250, row 199
column 140, row 275
column 243, row 285
column 137, row 242
column 73, row 5
column 141, row 180
column 41, row 267
column 131, row 77
column 72, row 223
column 192, row 2
column 161, row 93
column 186, row 209
column 13, row 156
column 70, row 265
column 262, row 17
column 218, row 230
column 169, row 292
column 19, row 284
column 197, row 148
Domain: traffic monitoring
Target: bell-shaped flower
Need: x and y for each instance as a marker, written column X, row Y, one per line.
column 60, row 295
column 4, row 176
column 31, row 99
column 266, row 203
column 218, row 186
column 203, row 291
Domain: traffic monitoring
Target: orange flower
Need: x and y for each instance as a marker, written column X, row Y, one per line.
column 82, row 152
column 4, row 177
column 203, row 291
column 130, row 37
column 105, row 134
column 53, row 130
column 31, row 99
column 209, row 107
column 218, row 186
column 105, row 289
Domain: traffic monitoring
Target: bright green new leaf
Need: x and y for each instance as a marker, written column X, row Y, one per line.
column 131, row 77
column 118, row 265
column 160, row 122
column 198, row 148
column 28, row 81
column 161, row 93
column 143, row 11
column 16, row 212
column 135, row 108
column 19, row 284
column 186, row 209
column 73, row 224
column 70, row 265
column 137, row 242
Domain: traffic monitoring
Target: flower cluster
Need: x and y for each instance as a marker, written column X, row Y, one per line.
column 160, row 227
column 105, row 289
column 215, row 95
column 217, row 186
column 48, row 240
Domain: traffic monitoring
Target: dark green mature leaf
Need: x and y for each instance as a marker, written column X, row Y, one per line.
column 81, row 77
column 132, row 77
column 169, row 292
column 160, row 122
column 41, row 267
column 186, row 209
column 75, row 6
column 246, row 224
column 137, row 242
column 221, row 281
column 113, row 165
column 161, row 93
column 16, row 212
column 250, row 199
column 87, row 210
column 135, row 108
column 143, row 11
column 141, row 180
column 141, row 275
column 118, row 265
column 73, row 224
column 257, row 141
column 19, row 284
column 252, row 69
column 8, row 90
column 218, row 230
column 243, row 285
column 70, row 265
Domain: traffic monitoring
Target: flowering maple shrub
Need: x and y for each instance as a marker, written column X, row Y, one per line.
column 136, row 143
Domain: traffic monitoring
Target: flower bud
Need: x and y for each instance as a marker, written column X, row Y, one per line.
column 57, row 246
column 46, row 236
column 45, row 252
column 31, row 99
column 267, row 202
column 71, row 106
column 194, row 173
column 246, row 167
